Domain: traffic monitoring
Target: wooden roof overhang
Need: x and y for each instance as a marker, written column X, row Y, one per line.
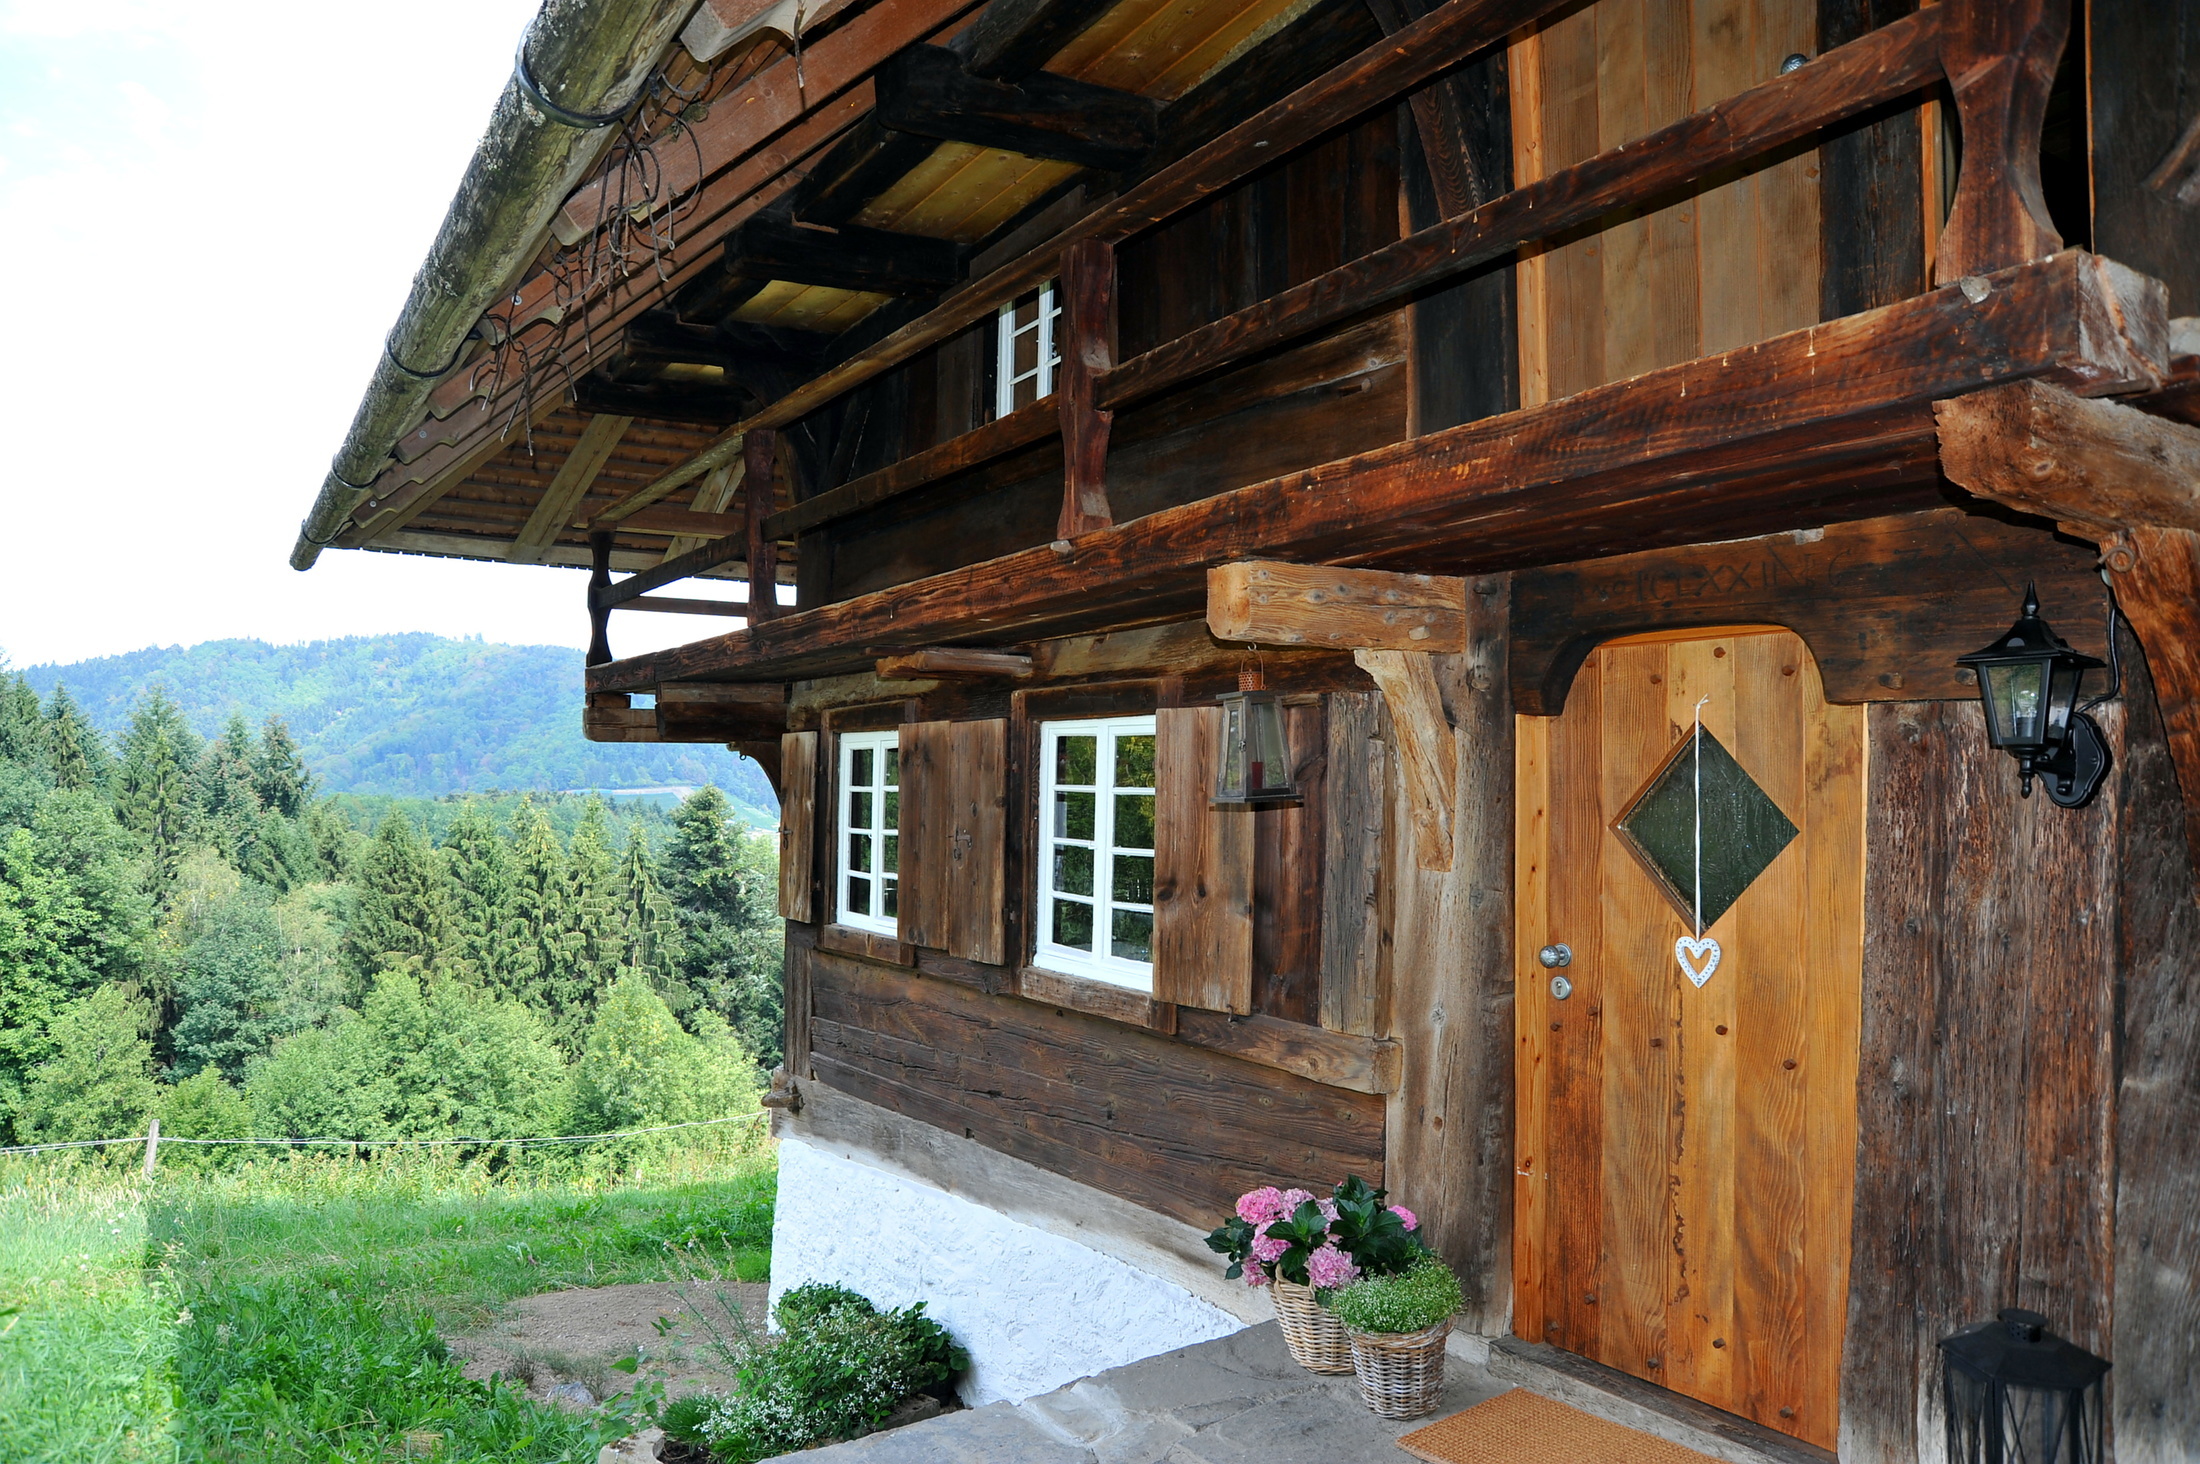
column 1830, row 423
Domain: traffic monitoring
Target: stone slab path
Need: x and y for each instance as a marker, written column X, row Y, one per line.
column 1238, row 1400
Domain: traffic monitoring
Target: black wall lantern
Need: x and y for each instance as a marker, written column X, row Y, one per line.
column 2018, row 1394
column 2028, row 680
column 1256, row 760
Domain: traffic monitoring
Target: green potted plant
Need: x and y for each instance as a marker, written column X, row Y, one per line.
column 1303, row 1249
column 1396, row 1326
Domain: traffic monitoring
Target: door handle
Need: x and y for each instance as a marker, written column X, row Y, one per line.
column 1555, row 956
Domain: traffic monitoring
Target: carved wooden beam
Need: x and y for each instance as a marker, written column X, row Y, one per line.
column 2000, row 56
column 2128, row 481
column 1278, row 604
column 1088, row 350
column 1427, row 753
column 761, row 474
column 953, row 662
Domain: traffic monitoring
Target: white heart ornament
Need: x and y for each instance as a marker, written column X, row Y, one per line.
column 1699, row 957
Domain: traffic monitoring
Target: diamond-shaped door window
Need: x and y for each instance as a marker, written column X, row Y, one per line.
column 1743, row 829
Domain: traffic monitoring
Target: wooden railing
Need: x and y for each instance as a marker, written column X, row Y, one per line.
column 1999, row 56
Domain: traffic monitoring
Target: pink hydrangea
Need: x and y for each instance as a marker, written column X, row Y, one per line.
column 1406, row 1217
column 1330, row 1268
column 1255, row 1276
column 1262, row 1206
column 1328, row 1209
column 1269, row 1248
column 1289, row 1201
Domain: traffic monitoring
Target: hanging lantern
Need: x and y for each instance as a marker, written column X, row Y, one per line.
column 2018, row 1394
column 1256, row 761
column 2028, row 682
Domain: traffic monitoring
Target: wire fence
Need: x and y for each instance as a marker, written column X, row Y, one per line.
column 155, row 1139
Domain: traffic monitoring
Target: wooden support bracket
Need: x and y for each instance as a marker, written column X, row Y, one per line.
column 1427, row 750
column 2126, row 480
column 1278, row 604
column 2000, row 57
column 1088, row 351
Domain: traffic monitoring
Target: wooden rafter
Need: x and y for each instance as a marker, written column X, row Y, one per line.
column 555, row 511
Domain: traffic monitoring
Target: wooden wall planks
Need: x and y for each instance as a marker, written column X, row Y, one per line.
column 1984, row 1157
column 1178, row 1129
column 1870, row 186
column 2155, row 1338
column 2144, row 74
column 1355, row 995
column 797, row 825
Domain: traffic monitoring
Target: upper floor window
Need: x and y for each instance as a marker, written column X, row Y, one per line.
column 1096, row 834
column 870, row 825
column 1027, row 353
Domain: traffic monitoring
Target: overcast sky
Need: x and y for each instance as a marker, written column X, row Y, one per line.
column 210, row 212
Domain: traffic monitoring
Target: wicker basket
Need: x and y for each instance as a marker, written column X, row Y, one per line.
column 1315, row 1337
column 1401, row 1373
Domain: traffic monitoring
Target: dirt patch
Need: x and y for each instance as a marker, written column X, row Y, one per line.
column 562, row 1337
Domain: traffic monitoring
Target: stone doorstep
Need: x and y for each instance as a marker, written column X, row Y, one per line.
column 1611, row 1394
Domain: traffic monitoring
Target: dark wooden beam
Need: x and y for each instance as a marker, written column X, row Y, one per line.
column 2000, row 57
column 760, row 475
column 1088, row 350
column 1818, row 425
column 849, row 257
column 925, row 91
column 1012, row 38
column 1440, row 118
column 664, row 401
column 599, row 614
column 672, row 605
column 1027, row 424
column 1878, row 67
column 1319, row 40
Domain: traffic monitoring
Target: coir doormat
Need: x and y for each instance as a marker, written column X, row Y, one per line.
column 1521, row 1427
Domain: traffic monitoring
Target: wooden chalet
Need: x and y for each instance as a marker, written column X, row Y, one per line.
column 1514, row 385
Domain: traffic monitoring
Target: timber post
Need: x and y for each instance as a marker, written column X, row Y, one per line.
column 1088, row 352
column 599, row 608
column 152, row 1145
column 2000, row 57
column 760, row 450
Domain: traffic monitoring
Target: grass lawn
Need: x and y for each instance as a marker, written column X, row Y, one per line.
column 289, row 1310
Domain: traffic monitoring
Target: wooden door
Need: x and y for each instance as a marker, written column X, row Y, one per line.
column 1686, row 1156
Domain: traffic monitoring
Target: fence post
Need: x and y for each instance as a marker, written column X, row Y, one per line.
column 152, row 1145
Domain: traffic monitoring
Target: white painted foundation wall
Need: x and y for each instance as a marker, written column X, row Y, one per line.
column 1034, row 1309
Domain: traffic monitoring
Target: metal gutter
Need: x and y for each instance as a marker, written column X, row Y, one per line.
column 581, row 66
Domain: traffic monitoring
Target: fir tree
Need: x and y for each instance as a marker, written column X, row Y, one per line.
column 279, row 772
column 230, row 989
column 723, row 885
column 485, row 936
column 76, row 754
column 404, row 902
column 99, row 1082
column 648, row 930
column 544, row 947
column 22, row 729
column 153, row 785
column 591, row 925
column 229, row 809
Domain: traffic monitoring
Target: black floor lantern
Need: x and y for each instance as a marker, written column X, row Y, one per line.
column 2018, row 1394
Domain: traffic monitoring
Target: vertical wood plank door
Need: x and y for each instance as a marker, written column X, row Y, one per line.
column 1685, row 1155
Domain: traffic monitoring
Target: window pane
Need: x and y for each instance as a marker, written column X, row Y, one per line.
column 859, row 811
column 1133, row 935
column 859, row 767
column 1134, row 820
column 1134, row 878
column 890, row 854
column 859, row 853
column 1743, row 830
column 890, row 889
column 859, row 894
column 1073, row 814
column 1134, row 762
column 1072, row 869
column 1073, row 925
column 893, row 810
column 1075, row 758
column 893, row 766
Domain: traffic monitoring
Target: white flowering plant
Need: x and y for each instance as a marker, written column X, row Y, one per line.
column 837, row 1373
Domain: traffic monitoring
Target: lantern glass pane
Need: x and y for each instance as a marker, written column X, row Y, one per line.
column 1271, row 760
column 2062, row 698
column 1235, row 754
column 2016, row 699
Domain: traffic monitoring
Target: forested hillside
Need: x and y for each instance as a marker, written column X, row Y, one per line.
column 189, row 928
column 406, row 714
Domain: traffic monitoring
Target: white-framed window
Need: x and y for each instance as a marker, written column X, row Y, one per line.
column 1028, row 354
column 870, row 830
column 1096, row 840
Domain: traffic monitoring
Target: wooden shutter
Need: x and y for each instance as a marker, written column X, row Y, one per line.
column 953, row 806
column 797, row 825
column 1203, row 871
